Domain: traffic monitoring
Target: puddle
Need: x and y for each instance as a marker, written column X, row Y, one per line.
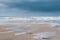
column 33, row 30
column 3, row 21
column 56, row 26
column 44, row 35
column 19, row 27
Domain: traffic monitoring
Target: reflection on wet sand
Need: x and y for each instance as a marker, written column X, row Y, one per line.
column 28, row 31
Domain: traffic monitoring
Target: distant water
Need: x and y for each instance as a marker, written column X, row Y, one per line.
column 55, row 23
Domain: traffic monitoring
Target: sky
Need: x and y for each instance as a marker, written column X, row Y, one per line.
column 29, row 8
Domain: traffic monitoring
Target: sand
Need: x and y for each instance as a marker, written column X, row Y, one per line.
column 29, row 35
column 42, row 28
column 7, row 35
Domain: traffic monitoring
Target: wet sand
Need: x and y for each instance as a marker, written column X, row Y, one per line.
column 43, row 28
column 29, row 35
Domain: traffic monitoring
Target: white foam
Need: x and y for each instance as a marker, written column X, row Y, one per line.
column 36, row 37
column 20, row 33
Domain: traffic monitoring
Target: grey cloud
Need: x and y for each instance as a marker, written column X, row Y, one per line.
column 28, row 7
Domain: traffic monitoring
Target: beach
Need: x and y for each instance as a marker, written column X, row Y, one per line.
column 29, row 31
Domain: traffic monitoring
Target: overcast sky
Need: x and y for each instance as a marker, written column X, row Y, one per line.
column 29, row 8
